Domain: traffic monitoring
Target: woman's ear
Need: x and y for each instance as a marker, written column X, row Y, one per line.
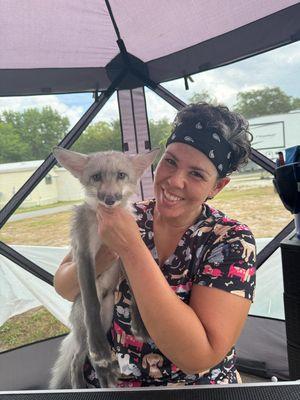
column 220, row 184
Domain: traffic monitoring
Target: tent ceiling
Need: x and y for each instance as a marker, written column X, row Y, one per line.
column 56, row 46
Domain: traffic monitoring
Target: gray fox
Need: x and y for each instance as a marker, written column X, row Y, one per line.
column 109, row 178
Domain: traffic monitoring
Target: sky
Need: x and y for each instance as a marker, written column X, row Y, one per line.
column 279, row 67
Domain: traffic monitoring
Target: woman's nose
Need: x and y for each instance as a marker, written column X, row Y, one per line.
column 177, row 179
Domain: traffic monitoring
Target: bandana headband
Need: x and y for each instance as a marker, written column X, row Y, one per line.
column 207, row 140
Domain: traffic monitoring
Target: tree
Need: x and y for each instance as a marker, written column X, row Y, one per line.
column 103, row 136
column 159, row 132
column 201, row 97
column 267, row 101
column 12, row 149
column 100, row 136
column 38, row 131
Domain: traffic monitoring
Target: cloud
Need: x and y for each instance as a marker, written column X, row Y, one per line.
column 20, row 104
column 279, row 67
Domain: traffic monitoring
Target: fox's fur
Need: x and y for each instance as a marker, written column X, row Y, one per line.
column 110, row 179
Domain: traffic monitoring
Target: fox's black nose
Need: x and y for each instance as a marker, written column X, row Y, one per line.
column 109, row 200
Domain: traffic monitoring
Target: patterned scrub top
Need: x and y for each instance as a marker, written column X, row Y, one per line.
column 215, row 251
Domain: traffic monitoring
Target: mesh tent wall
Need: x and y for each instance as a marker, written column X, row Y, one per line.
column 99, row 46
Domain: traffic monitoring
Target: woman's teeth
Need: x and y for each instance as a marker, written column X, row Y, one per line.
column 170, row 197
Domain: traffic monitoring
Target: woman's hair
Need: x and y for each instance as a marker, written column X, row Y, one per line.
column 232, row 126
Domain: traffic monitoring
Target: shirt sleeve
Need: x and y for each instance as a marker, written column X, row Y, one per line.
column 228, row 261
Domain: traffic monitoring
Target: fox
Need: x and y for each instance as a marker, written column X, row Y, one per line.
column 109, row 178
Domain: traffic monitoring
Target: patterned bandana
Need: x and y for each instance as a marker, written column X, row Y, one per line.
column 207, row 140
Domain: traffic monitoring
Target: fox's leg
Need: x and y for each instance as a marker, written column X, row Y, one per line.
column 81, row 352
column 77, row 377
column 98, row 345
column 137, row 325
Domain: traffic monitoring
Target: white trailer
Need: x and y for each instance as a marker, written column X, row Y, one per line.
column 274, row 133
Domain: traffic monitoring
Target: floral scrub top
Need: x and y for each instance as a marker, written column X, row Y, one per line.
column 215, row 251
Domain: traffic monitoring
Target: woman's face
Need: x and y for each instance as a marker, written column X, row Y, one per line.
column 184, row 178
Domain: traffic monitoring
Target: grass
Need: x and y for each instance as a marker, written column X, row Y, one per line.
column 260, row 208
column 50, row 230
column 29, row 327
column 44, row 207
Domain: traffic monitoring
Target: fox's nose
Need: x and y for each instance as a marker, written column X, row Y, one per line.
column 110, row 200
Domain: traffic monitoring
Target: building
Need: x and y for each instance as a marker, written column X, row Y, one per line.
column 274, row 133
column 58, row 185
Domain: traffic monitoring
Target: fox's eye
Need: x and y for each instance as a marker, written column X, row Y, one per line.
column 121, row 175
column 96, row 177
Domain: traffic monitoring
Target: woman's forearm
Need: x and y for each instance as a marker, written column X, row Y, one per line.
column 66, row 280
column 172, row 324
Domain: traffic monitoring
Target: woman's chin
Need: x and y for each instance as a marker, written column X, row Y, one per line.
column 169, row 210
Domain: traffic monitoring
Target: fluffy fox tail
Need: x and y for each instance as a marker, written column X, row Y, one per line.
column 61, row 371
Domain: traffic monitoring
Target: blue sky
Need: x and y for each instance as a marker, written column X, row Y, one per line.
column 279, row 67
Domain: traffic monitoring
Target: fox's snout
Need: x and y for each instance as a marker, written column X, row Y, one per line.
column 109, row 199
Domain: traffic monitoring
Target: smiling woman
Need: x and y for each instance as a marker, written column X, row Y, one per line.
column 190, row 267
column 185, row 178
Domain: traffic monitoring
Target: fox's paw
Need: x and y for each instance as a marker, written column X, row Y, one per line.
column 108, row 373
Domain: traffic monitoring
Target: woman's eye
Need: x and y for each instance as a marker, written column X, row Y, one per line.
column 121, row 175
column 170, row 161
column 196, row 174
column 96, row 177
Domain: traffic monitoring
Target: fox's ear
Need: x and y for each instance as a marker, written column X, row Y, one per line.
column 142, row 161
column 72, row 161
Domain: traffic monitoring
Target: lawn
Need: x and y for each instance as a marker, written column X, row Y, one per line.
column 259, row 207
column 29, row 327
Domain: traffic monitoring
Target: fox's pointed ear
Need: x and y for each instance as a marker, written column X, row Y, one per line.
column 142, row 161
column 72, row 161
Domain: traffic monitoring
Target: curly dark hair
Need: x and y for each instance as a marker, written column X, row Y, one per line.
column 233, row 126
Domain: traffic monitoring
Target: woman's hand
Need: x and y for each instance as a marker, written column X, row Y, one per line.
column 104, row 259
column 117, row 228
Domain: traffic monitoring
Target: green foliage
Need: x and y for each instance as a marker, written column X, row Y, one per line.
column 100, row 136
column 103, row 136
column 31, row 134
column 255, row 103
column 203, row 96
column 159, row 133
column 11, row 146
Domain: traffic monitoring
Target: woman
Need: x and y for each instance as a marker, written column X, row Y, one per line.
column 190, row 267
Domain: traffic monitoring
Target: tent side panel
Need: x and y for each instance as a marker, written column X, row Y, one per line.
column 262, row 348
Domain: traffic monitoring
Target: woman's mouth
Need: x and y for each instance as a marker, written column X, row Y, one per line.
column 171, row 198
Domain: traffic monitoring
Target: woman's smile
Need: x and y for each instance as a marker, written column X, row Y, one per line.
column 170, row 197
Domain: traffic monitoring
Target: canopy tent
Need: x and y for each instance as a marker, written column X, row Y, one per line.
column 74, row 46
column 63, row 46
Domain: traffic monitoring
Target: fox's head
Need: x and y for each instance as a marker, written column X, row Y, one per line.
column 109, row 177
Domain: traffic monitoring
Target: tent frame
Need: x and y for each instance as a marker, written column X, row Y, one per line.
column 69, row 140
column 133, row 72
